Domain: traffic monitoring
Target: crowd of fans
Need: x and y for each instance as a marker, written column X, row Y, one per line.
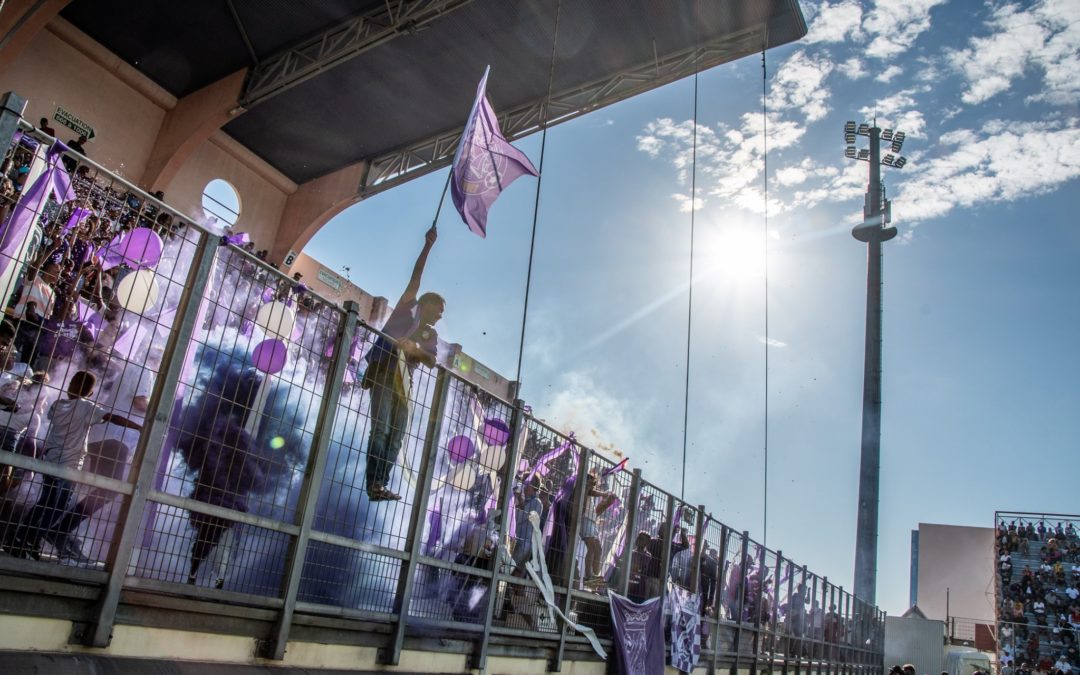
column 1039, row 596
column 60, row 343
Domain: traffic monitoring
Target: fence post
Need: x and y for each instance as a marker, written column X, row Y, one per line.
column 570, row 563
column 699, row 532
column 11, row 109
column 773, row 628
column 742, row 597
column 718, row 601
column 274, row 648
column 758, row 629
column 626, row 563
column 391, row 655
column 149, row 447
column 506, row 503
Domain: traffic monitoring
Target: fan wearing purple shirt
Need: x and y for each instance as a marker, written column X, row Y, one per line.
column 408, row 339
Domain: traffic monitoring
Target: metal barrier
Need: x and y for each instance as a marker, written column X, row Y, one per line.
column 271, row 470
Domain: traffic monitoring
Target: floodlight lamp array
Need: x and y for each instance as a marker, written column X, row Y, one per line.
column 894, row 138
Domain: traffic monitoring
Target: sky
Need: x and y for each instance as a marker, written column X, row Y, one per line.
column 981, row 287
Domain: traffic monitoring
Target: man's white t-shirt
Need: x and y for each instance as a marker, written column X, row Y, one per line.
column 118, row 394
column 70, row 418
column 38, row 292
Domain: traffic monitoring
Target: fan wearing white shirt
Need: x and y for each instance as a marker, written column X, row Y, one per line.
column 65, row 444
column 110, row 447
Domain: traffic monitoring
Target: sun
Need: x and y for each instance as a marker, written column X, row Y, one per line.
column 733, row 252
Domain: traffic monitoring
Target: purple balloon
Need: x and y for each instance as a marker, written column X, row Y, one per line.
column 138, row 249
column 269, row 356
column 460, row 448
column 496, row 432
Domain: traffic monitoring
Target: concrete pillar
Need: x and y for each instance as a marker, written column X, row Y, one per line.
column 312, row 205
column 194, row 119
column 20, row 21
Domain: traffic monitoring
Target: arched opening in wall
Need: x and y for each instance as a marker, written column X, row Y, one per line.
column 221, row 202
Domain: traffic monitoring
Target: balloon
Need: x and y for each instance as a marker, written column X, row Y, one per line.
column 459, row 449
column 493, row 457
column 463, row 477
column 138, row 291
column 140, row 248
column 276, row 319
column 269, row 356
column 496, row 432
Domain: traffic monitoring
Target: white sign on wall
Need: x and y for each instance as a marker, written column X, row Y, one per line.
column 74, row 123
column 330, row 279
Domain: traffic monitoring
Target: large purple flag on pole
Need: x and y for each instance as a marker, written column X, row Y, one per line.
column 485, row 163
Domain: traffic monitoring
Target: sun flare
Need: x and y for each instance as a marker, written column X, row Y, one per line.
column 734, row 252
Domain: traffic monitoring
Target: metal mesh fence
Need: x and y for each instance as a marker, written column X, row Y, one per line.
column 419, row 467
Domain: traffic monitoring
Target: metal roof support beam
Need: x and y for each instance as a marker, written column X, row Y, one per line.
column 340, row 43
column 187, row 126
column 436, row 152
column 20, row 22
column 313, row 205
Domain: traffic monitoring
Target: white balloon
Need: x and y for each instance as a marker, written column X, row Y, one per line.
column 276, row 319
column 493, row 457
column 137, row 291
column 463, row 478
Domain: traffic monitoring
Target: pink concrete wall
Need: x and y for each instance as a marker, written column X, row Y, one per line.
column 53, row 72
column 262, row 190
column 64, row 67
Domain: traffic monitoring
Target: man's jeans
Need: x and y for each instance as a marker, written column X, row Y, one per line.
column 389, row 421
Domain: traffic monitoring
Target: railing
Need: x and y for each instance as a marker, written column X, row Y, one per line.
column 247, row 486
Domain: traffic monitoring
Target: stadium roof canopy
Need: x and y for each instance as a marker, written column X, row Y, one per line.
column 390, row 82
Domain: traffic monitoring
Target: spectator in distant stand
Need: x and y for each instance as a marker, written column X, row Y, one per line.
column 43, row 125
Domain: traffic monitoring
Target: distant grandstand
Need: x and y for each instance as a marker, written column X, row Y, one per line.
column 1038, row 591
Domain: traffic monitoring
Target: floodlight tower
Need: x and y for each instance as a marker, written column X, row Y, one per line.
column 874, row 230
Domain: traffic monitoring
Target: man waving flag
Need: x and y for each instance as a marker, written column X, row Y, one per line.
column 485, row 163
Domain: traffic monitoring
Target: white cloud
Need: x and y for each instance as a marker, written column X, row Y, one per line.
column 1045, row 36
column 771, row 342
column 835, row 184
column 798, row 84
column 896, row 24
column 852, row 68
column 835, row 22
column 1002, row 162
column 897, row 112
column 684, row 202
column 889, row 73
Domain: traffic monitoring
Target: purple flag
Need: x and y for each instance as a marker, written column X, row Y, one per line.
column 639, row 635
column 53, row 181
column 485, row 163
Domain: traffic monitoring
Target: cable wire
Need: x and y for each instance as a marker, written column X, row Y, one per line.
column 690, row 292
column 536, row 203
column 765, row 179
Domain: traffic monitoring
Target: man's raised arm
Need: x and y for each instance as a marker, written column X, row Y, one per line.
column 418, row 269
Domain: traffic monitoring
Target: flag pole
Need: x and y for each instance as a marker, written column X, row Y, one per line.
column 445, row 187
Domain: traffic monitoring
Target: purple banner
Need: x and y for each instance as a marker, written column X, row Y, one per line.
column 639, row 635
column 685, row 628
